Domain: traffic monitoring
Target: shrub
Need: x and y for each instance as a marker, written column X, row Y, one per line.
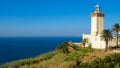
column 76, row 47
column 117, row 66
column 76, row 57
column 112, row 61
column 63, row 47
column 86, row 49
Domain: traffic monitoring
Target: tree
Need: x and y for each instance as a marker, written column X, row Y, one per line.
column 116, row 28
column 106, row 36
column 84, row 41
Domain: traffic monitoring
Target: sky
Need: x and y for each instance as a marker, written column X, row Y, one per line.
column 53, row 17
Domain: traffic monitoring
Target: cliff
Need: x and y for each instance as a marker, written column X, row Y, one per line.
column 68, row 55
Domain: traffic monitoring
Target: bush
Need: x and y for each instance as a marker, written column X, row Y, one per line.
column 112, row 61
column 63, row 47
column 86, row 49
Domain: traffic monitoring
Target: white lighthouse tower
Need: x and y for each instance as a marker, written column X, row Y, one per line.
column 97, row 25
column 97, row 21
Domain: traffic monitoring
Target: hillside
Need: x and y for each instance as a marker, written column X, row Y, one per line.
column 69, row 56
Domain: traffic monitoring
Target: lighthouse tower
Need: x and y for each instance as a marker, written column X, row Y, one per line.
column 97, row 21
column 97, row 26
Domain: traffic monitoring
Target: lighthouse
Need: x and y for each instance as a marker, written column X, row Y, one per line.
column 97, row 21
column 97, row 26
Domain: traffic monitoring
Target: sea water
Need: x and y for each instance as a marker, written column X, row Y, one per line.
column 15, row 48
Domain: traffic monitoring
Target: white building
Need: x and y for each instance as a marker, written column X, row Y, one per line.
column 97, row 25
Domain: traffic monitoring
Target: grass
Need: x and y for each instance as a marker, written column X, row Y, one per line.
column 29, row 61
column 61, row 58
column 111, row 61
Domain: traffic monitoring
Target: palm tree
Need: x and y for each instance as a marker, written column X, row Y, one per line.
column 84, row 41
column 106, row 36
column 116, row 28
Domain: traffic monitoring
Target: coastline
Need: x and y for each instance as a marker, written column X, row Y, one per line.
column 15, row 48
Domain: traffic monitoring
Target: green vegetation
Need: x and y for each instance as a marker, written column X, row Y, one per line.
column 68, row 55
column 63, row 47
column 84, row 41
column 112, row 61
column 61, row 57
column 106, row 36
column 116, row 28
column 16, row 64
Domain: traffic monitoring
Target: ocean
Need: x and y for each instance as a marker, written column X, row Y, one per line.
column 15, row 48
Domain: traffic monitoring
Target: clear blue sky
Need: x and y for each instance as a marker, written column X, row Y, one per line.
column 53, row 17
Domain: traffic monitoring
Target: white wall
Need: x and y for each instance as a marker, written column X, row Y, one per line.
column 100, row 24
column 98, row 43
column 95, row 41
column 93, row 25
